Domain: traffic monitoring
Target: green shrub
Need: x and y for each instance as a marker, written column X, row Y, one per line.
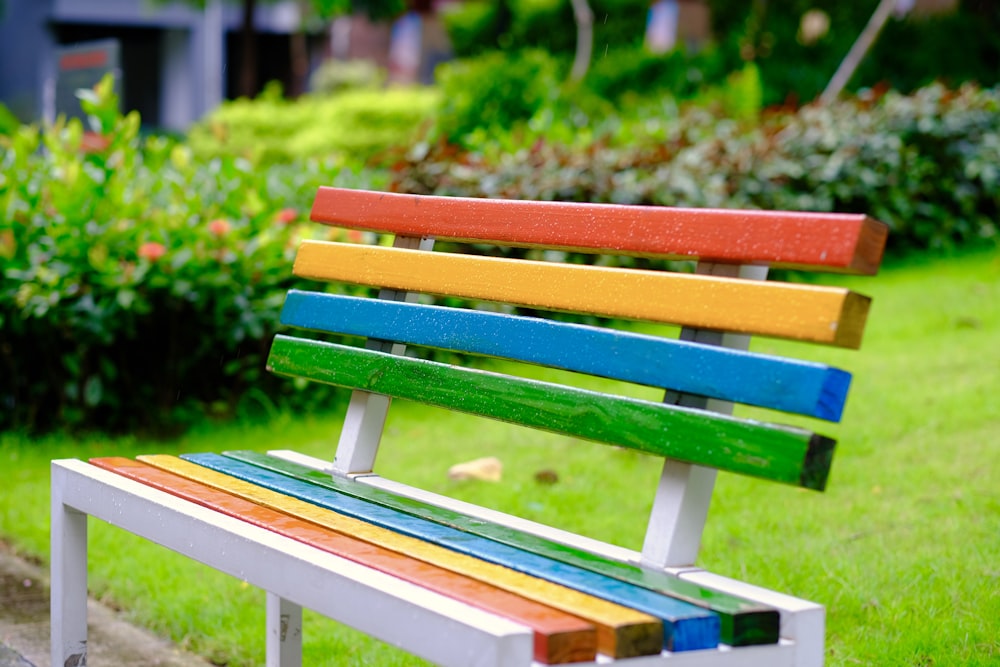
column 927, row 163
column 140, row 286
column 336, row 76
column 484, row 25
column 624, row 74
column 8, row 121
column 494, row 91
column 955, row 47
column 469, row 26
column 355, row 125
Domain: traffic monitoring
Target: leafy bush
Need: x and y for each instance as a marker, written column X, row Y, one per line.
column 926, row 163
column 469, row 26
column 954, row 47
column 636, row 72
column 479, row 26
column 335, row 76
column 494, row 91
column 8, row 121
column 354, row 125
column 140, row 286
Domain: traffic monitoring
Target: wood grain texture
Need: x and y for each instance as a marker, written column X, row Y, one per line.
column 686, row 627
column 790, row 385
column 743, row 622
column 622, row 632
column 560, row 637
column 835, row 242
column 779, row 453
column 829, row 315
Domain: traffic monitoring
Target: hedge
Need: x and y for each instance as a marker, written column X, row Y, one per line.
column 928, row 164
column 139, row 286
column 352, row 125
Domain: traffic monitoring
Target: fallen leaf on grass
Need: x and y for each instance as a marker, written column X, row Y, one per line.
column 488, row 469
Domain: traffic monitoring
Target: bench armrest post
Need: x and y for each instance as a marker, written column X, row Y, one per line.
column 365, row 419
column 673, row 534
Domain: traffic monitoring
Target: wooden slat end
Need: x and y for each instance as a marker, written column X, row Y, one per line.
column 752, row 629
column 566, row 647
column 854, row 315
column 631, row 640
column 833, row 394
column 871, row 247
column 817, row 463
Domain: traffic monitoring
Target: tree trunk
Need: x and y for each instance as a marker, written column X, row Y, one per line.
column 248, row 43
column 584, row 38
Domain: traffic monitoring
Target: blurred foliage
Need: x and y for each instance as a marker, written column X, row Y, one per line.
column 354, row 125
column 493, row 92
column 483, row 25
column 337, row 76
column 954, row 47
column 140, row 287
column 630, row 72
column 490, row 97
column 794, row 67
column 928, row 164
column 8, row 121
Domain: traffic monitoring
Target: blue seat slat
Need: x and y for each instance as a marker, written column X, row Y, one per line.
column 686, row 627
column 789, row 385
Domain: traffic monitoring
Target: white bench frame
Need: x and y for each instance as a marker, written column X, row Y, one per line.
column 295, row 575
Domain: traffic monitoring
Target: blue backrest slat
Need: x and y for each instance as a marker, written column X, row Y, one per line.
column 789, row 385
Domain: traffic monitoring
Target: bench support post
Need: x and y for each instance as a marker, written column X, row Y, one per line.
column 284, row 632
column 366, row 413
column 673, row 534
column 68, row 611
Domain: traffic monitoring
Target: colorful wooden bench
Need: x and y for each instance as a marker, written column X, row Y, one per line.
column 464, row 585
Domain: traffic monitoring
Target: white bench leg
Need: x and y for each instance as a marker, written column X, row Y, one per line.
column 284, row 632
column 69, row 582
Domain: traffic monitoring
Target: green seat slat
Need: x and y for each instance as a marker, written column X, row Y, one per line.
column 768, row 451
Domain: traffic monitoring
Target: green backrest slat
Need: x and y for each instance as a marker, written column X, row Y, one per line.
column 768, row 451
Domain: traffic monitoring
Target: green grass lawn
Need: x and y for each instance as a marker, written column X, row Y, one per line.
column 903, row 548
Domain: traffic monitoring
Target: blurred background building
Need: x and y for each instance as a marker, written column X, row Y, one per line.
column 175, row 61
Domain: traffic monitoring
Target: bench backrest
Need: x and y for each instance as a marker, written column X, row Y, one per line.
column 703, row 371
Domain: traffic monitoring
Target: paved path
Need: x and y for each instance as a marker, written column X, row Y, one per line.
column 24, row 627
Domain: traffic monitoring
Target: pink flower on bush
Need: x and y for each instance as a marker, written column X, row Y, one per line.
column 93, row 142
column 287, row 216
column 219, row 227
column 152, row 251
